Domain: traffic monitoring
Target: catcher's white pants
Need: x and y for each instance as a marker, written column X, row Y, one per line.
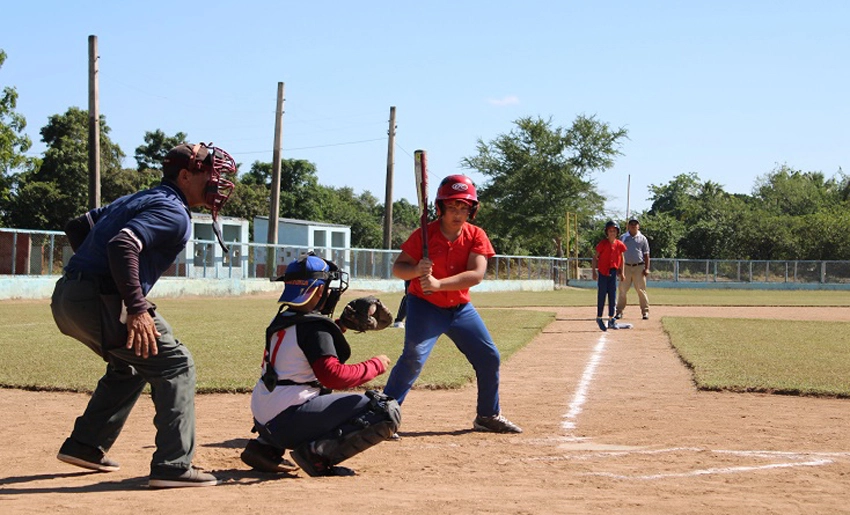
column 634, row 275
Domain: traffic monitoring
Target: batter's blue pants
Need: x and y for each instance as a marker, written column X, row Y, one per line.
column 463, row 325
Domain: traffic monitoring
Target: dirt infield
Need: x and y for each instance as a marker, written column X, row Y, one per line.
column 612, row 423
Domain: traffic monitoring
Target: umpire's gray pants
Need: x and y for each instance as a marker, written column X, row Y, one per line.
column 88, row 309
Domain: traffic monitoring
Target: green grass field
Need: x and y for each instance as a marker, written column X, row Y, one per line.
column 225, row 336
column 776, row 356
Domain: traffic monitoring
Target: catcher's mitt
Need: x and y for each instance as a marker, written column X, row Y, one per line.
column 366, row 314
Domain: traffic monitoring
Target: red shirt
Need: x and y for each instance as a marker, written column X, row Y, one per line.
column 609, row 255
column 449, row 257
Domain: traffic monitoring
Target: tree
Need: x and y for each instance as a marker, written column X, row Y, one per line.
column 785, row 191
column 300, row 195
column 536, row 174
column 360, row 212
column 14, row 144
column 405, row 221
column 64, row 171
column 150, row 155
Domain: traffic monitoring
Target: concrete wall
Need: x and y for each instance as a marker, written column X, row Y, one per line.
column 41, row 287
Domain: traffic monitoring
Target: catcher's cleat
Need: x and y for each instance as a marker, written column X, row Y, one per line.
column 316, row 466
column 495, row 424
column 266, row 458
column 601, row 323
column 85, row 456
column 180, row 478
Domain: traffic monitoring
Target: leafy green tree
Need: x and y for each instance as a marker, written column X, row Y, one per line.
column 150, row 155
column 14, row 143
column 361, row 212
column 126, row 181
column 405, row 221
column 299, row 187
column 664, row 232
column 64, row 171
column 675, row 198
column 785, row 191
column 537, row 173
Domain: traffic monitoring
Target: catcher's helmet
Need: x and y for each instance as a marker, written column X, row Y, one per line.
column 303, row 277
column 612, row 223
column 457, row 187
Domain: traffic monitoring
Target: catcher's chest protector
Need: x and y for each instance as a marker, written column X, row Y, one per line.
column 280, row 322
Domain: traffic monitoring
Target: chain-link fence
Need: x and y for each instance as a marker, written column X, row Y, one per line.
column 46, row 252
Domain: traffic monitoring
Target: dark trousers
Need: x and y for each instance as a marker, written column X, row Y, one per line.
column 314, row 419
column 85, row 308
column 606, row 286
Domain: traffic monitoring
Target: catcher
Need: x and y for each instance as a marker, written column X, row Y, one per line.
column 304, row 359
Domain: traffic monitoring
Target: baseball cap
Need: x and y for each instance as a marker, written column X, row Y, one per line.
column 302, row 277
column 178, row 157
column 634, row 221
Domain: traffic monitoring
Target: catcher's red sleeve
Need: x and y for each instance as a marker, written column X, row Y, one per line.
column 338, row 376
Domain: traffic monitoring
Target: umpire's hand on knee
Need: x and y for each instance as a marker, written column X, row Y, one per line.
column 142, row 334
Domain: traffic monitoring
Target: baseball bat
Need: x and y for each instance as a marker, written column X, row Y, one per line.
column 420, row 170
column 420, row 158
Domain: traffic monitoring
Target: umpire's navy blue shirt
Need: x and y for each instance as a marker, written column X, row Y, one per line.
column 158, row 217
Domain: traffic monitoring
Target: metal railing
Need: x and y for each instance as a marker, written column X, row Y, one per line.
column 30, row 252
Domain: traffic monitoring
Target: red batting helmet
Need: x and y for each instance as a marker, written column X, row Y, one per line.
column 457, row 187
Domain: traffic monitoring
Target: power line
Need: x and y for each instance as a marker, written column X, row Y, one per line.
column 315, row 146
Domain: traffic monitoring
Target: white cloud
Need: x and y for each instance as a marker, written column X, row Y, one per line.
column 505, row 101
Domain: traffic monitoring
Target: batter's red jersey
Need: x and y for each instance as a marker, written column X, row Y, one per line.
column 609, row 255
column 449, row 257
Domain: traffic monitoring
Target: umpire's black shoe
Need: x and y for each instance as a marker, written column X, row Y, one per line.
column 266, row 458
column 316, row 466
column 180, row 478
column 86, row 456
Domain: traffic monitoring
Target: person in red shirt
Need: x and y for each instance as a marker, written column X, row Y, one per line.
column 607, row 266
column 438, row 300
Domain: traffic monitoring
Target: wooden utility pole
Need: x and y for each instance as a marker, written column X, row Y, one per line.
column 274, row 210
column 94, row 127
column 388, row 202
column 572, row 235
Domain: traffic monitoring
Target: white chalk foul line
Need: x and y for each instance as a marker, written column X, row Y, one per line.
column 718, row 470
column 580, row 396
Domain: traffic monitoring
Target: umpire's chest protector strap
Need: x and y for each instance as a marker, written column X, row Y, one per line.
column 281, row 321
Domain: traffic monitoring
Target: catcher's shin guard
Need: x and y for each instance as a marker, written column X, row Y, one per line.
column 378, row 422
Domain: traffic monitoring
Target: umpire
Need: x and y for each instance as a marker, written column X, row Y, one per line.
column 121, row 250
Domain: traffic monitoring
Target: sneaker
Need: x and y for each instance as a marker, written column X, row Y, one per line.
column 619, row 315
column 316, row 466
column 601, row 323
column 399, row 325
column 266, row 458
column 495, row 424
column 180, row 478
column 86, row 456
column 646, row 316
column 612, row 324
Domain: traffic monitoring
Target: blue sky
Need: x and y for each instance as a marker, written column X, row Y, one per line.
column 726, row 89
